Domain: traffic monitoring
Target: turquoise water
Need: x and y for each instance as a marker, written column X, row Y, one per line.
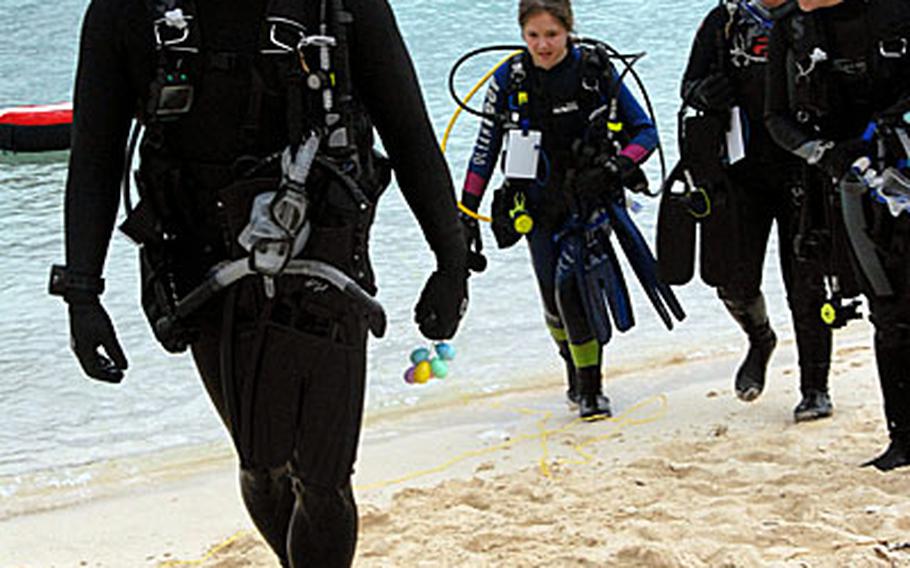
column 51, row 416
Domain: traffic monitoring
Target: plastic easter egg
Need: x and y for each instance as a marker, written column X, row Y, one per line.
column 409, row 376
column 440, row 368
column 422, row 372
column 420, row 354
column 445, row 351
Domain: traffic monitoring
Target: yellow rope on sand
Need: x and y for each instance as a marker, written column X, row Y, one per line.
column 619, row 423
column 208, row 555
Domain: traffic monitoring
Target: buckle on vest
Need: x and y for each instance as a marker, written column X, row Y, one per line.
column 893, row 48
column 171, row 32
column 284, row 34
column 317, row 41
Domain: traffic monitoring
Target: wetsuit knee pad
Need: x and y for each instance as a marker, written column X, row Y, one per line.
column 262, row 481
column 319, row 499
column 269, row 499
column 324, row 526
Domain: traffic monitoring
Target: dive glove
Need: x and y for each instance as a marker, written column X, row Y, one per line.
column 603, row 178
column 470, row 228
column 713, row 93
column 442, row 303
column 91, row 328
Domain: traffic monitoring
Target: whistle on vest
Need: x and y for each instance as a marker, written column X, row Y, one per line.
column 522, row 221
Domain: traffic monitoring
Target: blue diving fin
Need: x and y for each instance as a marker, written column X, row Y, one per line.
column 617, row 292
column 574, row 286
column 644, row 264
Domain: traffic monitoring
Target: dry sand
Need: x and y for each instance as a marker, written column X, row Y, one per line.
column 685, row 475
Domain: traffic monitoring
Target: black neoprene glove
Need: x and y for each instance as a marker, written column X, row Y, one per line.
column 620, row 167
column 442, row 303
column 602, row 179
column 838, row 160
column 476, row 261
column 91, row 328
column 713, row 93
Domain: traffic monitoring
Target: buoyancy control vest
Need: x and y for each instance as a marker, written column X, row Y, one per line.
column 580, row 110
column 219, row 112
column 575, row 105
column 832, row 86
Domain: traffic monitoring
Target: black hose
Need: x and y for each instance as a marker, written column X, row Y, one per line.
column 461, row 60
column 641, row 87
column 128, row 167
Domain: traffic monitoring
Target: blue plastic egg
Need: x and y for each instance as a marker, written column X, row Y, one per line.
column 445, row 351
column 440, row 368
column 420, row 354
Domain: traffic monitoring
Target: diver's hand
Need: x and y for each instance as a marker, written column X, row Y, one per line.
column 470, row 228
column 91, row 328
column 603, row 179
column 713, row 93
column 620, row 167
column 442, row 303
column 839, row 158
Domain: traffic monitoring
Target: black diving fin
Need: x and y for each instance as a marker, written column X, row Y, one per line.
column 676, row 227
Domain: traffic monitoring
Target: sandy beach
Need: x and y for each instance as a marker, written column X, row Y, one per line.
column 683, row 475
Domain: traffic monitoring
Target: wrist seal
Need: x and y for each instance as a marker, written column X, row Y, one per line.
column 63, row 282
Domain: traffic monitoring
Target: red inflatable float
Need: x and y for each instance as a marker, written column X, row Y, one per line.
column 36, row 128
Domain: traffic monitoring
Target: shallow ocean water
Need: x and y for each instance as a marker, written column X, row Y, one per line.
column 52, row 416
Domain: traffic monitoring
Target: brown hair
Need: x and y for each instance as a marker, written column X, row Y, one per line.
column 559, row 9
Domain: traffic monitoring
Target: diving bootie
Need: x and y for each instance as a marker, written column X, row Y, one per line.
column 753, row 318
column 897, row 455
column 814, row 405
column 572, row 395
column 592, row 403
column 750, row 378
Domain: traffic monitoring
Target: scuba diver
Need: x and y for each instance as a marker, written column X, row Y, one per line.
column 258, row 185
column 574, row 135
column 750, row 186
column 838, row 97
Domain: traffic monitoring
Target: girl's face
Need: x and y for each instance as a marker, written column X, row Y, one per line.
column 547, row 39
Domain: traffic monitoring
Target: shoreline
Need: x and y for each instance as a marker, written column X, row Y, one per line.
column 417, row 473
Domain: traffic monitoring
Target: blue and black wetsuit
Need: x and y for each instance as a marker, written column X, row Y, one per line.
column 559, row 109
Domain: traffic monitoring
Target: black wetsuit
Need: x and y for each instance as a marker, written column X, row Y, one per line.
column 835, row 101
column 764, row 187
column 286, row 374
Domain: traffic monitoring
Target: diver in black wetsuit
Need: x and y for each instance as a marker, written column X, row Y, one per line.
column 227, row 92
column 545, row 87
column 727, row 69
column 835, row 66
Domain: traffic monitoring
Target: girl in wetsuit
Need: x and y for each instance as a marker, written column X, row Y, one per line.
column 549, row 87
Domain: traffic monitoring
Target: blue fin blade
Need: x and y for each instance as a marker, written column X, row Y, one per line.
column 644, row 264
